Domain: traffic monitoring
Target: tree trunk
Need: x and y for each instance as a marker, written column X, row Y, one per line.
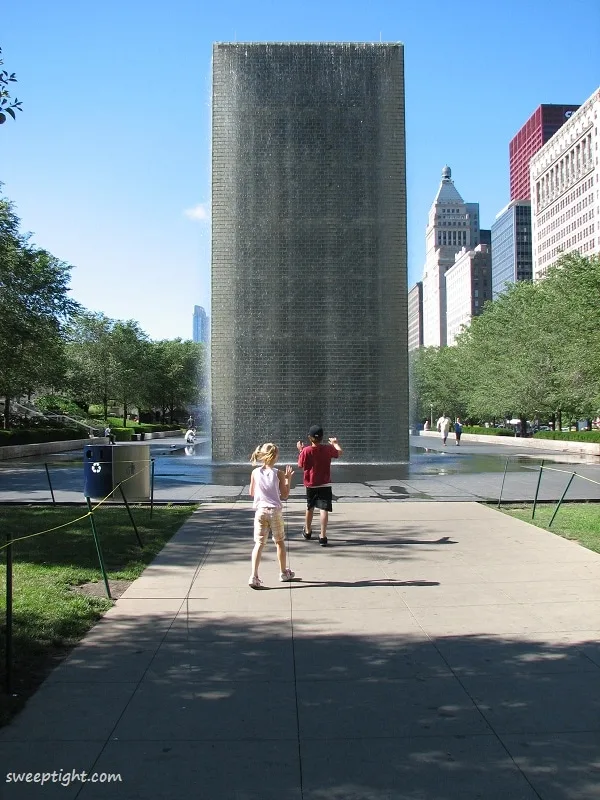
column 105, row 404
column 124, row 415
column 559, row 420
column 553, row 421
column 6, row 412
column 523, row 426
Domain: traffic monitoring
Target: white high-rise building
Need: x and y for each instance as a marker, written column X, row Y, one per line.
column 453, row 224
column 468, row 288
column 565, row 190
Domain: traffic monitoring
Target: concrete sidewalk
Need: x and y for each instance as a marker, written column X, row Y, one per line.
column 433, row 651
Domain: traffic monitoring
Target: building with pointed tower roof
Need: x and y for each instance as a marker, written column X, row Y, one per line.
column 452, row 226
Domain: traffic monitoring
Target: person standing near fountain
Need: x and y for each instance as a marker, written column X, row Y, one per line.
column 315, row 460
column 458, row 430
column 443, row 426
column 268, row 487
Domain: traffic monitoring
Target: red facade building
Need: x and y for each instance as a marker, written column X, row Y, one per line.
column 543, row 124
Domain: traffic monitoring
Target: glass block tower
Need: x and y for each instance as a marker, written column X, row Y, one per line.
column 309, row 287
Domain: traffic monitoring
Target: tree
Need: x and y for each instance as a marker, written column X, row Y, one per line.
column 438, row 381
column 34, row 307
column 90, row 359
column 175, row 375
column 6, row 106
column 129, row 352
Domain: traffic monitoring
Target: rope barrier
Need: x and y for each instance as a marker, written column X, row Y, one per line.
column 85, row 516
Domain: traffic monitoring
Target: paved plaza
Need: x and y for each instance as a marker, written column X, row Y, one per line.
column 474, row 471
column 434, row 651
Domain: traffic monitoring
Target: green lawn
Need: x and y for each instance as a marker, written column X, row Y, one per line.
column 578, row 521
column 49, row 617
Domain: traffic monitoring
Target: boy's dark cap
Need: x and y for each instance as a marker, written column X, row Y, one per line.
column 316, row 431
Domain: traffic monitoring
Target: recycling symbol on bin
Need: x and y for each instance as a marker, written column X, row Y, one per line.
column 96, row 467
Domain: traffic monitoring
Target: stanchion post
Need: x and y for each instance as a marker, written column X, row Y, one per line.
column 151, row 486
column 9, row 611
column 98, row 549
column 537, row 489
column 131, row 516
column 50, row 484
column 561, row 499
column 503, row 479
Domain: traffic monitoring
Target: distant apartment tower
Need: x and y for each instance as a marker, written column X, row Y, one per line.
column 565, row 203
column 415, row 317
column 511, row 246
column 452, row 226
column 468, row 288
column 309, row 286
column 541, row 126
column 201, row 328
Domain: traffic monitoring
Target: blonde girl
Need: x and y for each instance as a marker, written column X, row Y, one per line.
column 268, row 487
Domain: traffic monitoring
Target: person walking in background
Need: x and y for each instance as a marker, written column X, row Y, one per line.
column 426, row 425
column 458, row 430
column 315, row 460
column 443, row 426
column 268, row 487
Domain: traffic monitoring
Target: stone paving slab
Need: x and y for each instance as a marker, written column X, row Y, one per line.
column 438, row 651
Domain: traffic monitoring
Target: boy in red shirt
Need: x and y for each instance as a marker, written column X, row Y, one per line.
column 315, row 460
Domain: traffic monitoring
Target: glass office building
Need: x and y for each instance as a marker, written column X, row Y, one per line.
column 511, row 246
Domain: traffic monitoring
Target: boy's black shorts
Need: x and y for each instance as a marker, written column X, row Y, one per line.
column 319, row 497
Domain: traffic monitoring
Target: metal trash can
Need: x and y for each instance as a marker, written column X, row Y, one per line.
column 131, row 463
column 97, row 471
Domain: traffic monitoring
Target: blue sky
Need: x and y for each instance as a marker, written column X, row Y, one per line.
column 109, row 163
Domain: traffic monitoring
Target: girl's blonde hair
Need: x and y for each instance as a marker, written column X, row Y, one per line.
column 267, row 453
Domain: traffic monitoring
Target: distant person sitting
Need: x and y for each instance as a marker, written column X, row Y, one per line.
column 190, row 436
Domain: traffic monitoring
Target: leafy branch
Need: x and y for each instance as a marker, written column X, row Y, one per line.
column 7, row 105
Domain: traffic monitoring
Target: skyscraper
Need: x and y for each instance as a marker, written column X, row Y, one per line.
column 541, row 126
column 415, row 317
column 565, row 203
column 511, row 246
column 201, row 331
column 468, row 288
column 453, row 224
column 309, row 288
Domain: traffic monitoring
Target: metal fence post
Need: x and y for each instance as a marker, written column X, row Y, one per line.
column 537, row 489
column 561, row 499
column 9, row 611
column 503, row 478
column 98, row 549
column 50, row 484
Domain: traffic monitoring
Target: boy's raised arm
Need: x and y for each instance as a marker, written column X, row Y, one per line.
column 336, row 444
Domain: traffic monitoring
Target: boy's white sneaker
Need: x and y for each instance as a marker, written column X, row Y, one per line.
column 286, row 576
column 255, row 582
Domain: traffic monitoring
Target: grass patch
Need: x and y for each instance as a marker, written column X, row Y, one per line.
column 49, row 616
column 577, row 521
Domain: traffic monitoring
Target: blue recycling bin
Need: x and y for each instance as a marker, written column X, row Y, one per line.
column 97, row 471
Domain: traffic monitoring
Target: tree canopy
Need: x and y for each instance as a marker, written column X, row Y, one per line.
column 532, row 352
column 49, row 342
column 7, row 104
